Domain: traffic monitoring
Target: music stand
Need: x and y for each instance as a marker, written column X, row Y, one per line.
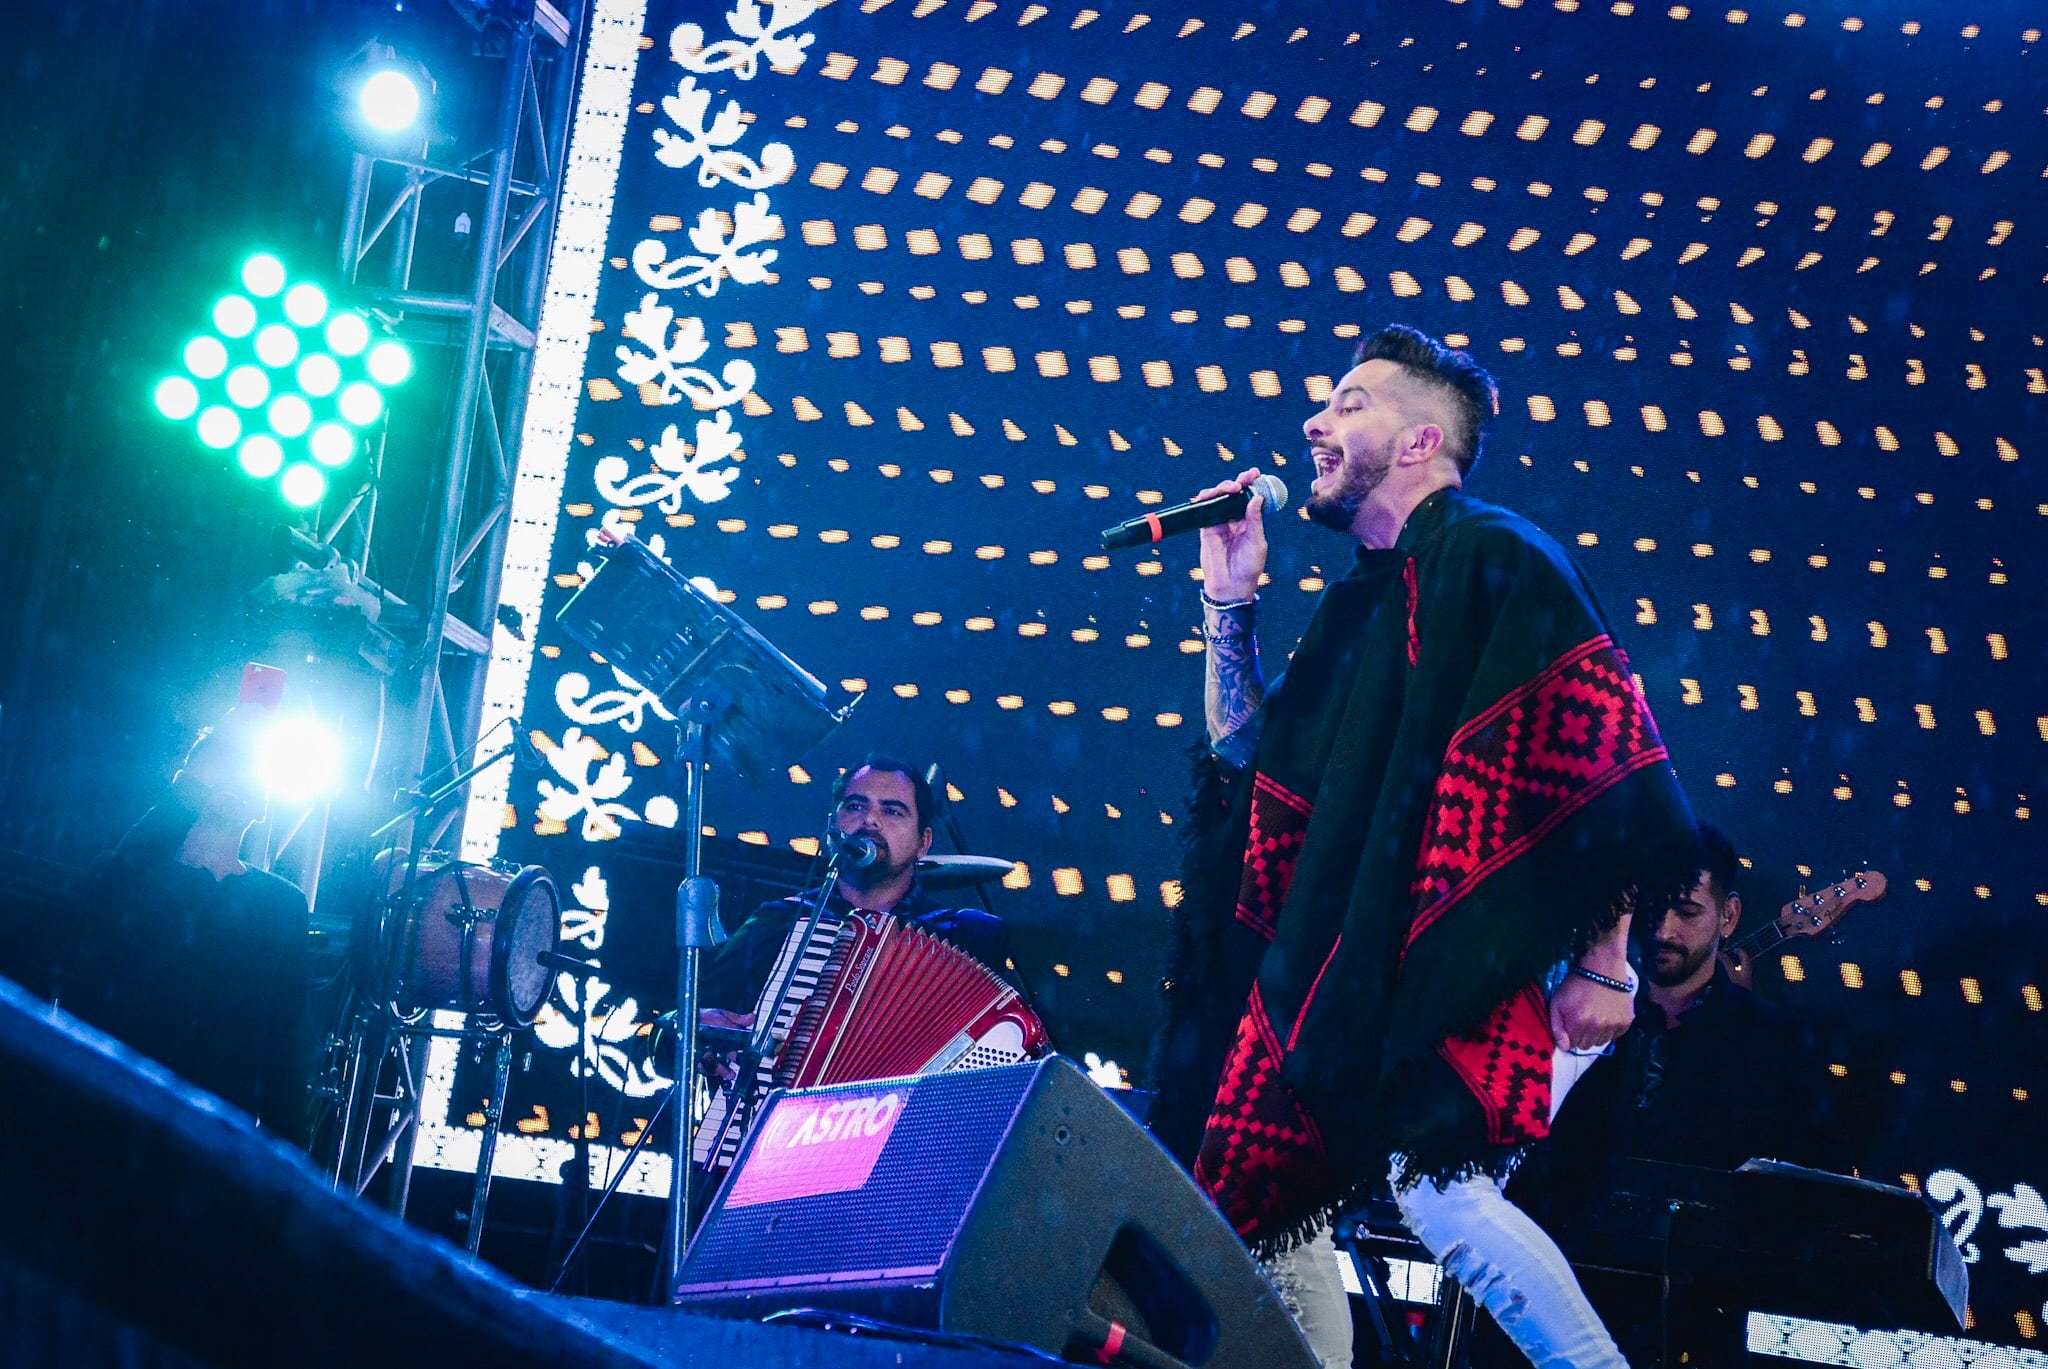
column 735, row 696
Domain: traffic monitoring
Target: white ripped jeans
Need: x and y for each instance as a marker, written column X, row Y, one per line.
column 1506, row 1262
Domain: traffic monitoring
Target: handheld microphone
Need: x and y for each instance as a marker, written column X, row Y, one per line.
column 1194, row 515
column 854, row 852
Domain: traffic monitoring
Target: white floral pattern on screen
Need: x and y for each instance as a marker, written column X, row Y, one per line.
column 668, row 359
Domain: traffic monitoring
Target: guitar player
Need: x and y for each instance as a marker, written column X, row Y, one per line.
column 1708, row 1075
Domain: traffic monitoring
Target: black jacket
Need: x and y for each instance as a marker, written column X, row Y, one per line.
column 1737, row 1078
column 208, row 977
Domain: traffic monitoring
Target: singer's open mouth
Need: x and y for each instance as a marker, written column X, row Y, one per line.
column 1326, row 461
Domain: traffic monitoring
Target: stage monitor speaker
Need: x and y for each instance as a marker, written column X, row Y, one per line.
column 1016, row 1203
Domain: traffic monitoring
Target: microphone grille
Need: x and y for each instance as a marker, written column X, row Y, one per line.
column 1273, row 490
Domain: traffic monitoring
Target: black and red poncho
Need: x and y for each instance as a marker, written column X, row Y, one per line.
column 1457, row 785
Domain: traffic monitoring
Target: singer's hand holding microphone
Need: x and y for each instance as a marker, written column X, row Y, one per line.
column 1232, row 518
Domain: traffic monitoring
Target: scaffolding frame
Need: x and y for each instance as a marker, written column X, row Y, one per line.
column 434, row 693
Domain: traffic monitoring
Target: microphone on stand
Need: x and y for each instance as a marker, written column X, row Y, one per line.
column 854, row 851
column 1194, row 515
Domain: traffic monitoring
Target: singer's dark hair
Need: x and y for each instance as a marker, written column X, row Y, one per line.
column 920, row 788
column 1451, row 374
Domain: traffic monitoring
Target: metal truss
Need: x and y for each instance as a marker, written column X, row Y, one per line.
column 487, row 315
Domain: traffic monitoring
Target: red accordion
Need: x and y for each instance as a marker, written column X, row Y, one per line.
column 893, row 1000
column 888, row 1000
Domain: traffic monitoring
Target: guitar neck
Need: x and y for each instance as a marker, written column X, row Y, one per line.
column 1812, row 914
column 1761, row 940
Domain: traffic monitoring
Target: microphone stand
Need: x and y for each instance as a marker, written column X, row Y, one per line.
column 740, row 1088
column 733, row 692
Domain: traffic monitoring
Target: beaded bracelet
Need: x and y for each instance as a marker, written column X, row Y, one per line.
column 1222, row 607
column 1618, row 985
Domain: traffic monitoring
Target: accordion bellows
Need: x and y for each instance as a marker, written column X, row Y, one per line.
column 888, row 1000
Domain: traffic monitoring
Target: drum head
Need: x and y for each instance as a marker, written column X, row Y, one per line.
column 529, row 922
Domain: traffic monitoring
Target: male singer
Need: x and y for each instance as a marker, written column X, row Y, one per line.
column 1412, row 864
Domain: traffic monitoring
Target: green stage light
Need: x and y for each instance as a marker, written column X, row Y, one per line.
column 319, row 376
column 234, row 316
column 347, row 334
column 261, row 456
column 218, row 427
column 290, row 416
column 332, row 444
column 263, row 275
column 247, row 386
column 276, row 345
column 389, row 363
column 177, row 397
column 305, row 304
column 205, row 357
column 285, row 380
column 303, row 486
column 360, row 403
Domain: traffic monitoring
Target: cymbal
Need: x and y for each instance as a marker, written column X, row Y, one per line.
column 957, row 872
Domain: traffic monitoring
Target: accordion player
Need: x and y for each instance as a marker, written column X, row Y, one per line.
column 906, row 986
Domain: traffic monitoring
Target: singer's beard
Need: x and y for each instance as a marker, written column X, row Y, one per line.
column 881, row 872
column 1337, row 507
column 1688, row 964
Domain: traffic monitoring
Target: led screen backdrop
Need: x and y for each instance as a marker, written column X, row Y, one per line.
column 874, row 315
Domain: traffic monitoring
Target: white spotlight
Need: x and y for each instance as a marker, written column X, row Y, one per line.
column 298, row 759
column 390, row 101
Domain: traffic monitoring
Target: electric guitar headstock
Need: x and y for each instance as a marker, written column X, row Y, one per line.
column 1814, row 913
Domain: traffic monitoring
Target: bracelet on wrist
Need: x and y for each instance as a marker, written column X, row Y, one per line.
column 1618, row 985
column 1225, row 606
column 1218, row 638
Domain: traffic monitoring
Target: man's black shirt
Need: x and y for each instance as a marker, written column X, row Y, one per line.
column 735, row 974
column 1736, row 1078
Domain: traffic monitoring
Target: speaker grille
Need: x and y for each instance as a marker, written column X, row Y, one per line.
column 896, row 1226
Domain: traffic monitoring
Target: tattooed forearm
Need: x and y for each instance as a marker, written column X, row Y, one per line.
column 1234, row 688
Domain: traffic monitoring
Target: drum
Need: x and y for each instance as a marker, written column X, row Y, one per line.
column 469, row 938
